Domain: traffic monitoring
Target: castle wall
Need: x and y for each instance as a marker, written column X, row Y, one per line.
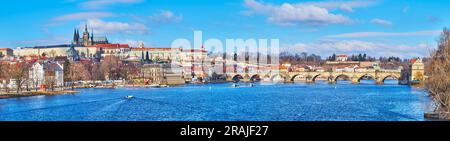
column 54, row 51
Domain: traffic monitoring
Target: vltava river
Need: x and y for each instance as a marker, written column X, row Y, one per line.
column 221, row 102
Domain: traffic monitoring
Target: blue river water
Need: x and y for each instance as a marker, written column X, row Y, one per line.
column 221, row 102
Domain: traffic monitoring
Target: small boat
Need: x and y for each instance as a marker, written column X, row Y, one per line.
column 129, row 97
column 235, row 85
column 154, row 85
column 251, row 85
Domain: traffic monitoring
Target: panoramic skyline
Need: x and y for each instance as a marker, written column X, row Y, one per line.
column 376, row 27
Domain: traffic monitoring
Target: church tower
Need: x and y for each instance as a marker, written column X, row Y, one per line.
column 417, row 70
column 76, row 38
column 86, row 38
column 92, row 38
column 141, row 44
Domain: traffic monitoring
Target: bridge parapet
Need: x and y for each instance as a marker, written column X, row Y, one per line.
column 355, row 77
column 311, row 76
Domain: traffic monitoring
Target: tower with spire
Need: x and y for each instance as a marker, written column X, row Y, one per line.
column 92, row 37
column 76, row 38
column 87, row 39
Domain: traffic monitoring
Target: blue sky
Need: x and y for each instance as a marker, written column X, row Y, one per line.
column 378, row 27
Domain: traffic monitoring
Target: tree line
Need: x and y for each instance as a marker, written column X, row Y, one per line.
column 305, row 58
column 110, row 68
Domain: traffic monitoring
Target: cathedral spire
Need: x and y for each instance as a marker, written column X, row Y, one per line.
column 76, row 37
column 92, row 37
column 86, row 28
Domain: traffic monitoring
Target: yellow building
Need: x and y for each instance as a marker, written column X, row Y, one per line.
column 161, row 54
column 417, row 69
column 50, row 51
column 54, row 51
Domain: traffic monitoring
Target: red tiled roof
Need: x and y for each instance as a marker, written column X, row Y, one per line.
column 111, row 46
column 194, row 50
column 342, row 55
column 165, row 48
column 5, row 49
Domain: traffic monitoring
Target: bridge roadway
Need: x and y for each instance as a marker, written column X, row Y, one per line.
column 310, row 77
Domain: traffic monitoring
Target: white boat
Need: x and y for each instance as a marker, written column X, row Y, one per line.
column 129, row 97
column 235, row 85
column 154, row 85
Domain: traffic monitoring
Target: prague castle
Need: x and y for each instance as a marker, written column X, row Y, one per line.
column 86, row 45
column 87, row 39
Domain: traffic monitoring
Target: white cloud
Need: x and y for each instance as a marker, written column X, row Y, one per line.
column 102, row 27
column 83, row 16
column 387, row 34
column 347, row 6
column 294, row 14
column 98, row 4
column 328, row 47
column 166, row 16
column 381, row 22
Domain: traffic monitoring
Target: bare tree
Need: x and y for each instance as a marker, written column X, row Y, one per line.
column 76, row 71
column 19, row 72
column 4, row 77
column 111, row 66
column 50, row 82
column 439, row 76
column 96, row 72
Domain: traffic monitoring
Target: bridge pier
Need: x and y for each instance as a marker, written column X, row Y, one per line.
column 355, row 80
column 288, row 81
column 309, row 80
column 379, row 81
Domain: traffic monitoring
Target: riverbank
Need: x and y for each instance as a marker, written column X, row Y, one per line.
column 35, row 93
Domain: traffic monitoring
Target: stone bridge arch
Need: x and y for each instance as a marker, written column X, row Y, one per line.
column 297, row 75
column 314, row 76
column 384, row 77
column 360, row 77
column 255, row 77
column 336, row 76
column 273, row 76
column 236, row 77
